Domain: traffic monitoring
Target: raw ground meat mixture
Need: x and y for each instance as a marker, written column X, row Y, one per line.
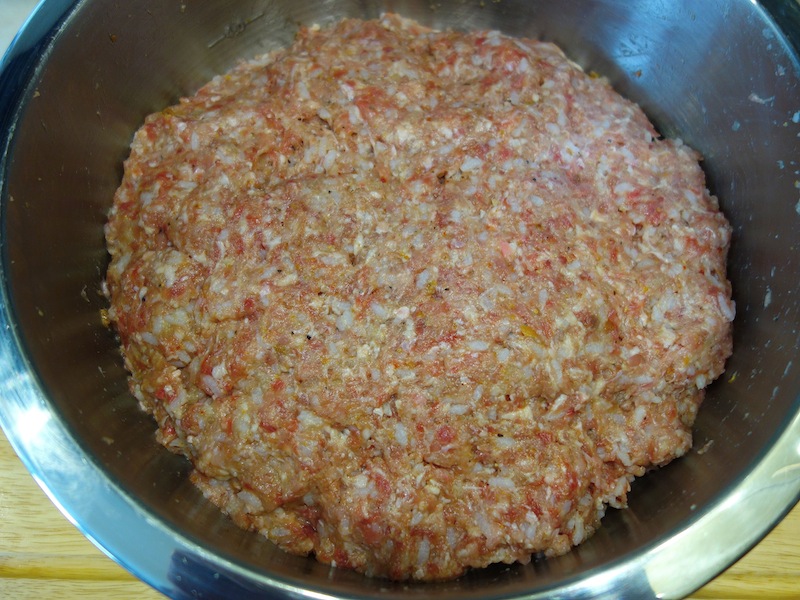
column 417, row 301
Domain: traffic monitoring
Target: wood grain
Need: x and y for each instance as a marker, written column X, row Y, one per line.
column 43, row 557
column 771, row 570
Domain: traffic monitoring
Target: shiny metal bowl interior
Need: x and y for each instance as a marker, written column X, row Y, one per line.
column 82, row 76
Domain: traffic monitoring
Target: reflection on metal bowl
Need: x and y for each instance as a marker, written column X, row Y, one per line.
column 82, row 76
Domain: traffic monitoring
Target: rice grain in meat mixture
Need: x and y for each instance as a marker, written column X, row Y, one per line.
column 417, row 301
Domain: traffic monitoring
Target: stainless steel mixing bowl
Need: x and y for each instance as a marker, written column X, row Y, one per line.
column 80, row 79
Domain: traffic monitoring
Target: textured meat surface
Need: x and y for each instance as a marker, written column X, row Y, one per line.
column 417, row 301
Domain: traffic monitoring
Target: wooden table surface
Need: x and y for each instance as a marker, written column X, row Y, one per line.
column 42, row 556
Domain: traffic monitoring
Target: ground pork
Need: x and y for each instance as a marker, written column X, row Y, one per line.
column 416, row 301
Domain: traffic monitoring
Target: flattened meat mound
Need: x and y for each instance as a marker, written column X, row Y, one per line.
column 416, row 301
